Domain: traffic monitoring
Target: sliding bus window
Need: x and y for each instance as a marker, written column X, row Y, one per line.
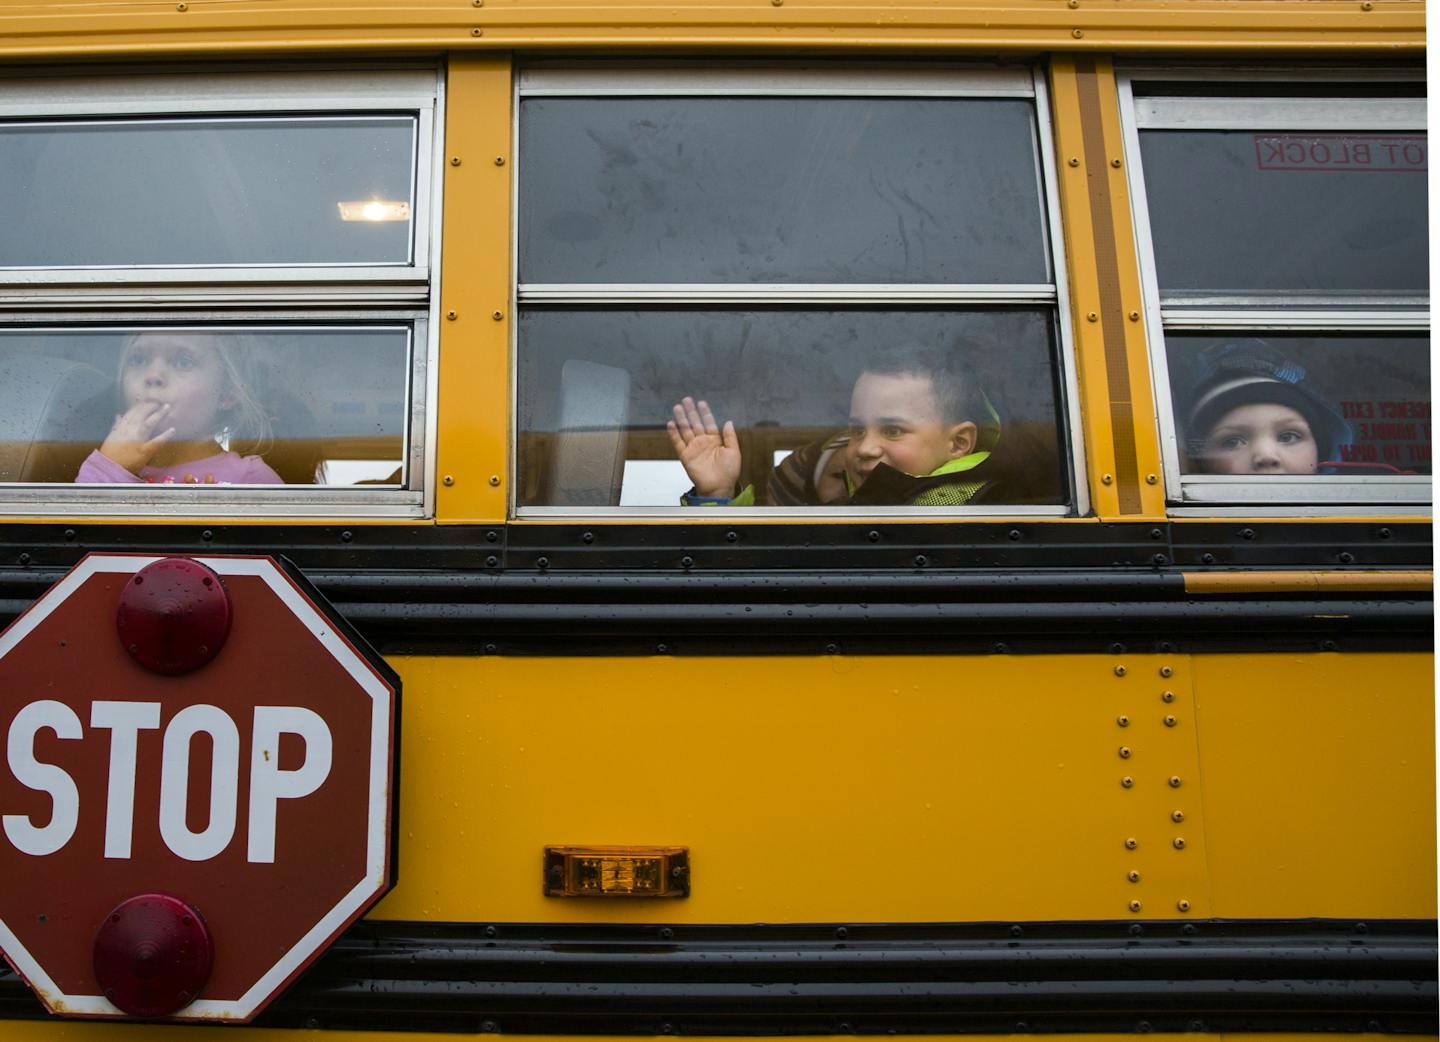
column 222, row 405
column 777, row 250
column 217, row 291
column 1283, row 229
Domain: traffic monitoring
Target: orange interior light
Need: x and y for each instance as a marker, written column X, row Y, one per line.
column 617, row 872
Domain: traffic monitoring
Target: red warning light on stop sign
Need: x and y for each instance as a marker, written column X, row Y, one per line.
column 256, row 788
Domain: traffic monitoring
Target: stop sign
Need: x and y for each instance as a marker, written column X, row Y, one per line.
column 198, row 789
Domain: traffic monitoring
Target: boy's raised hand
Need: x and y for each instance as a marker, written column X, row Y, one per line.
column 709, row 454
column 132, row 441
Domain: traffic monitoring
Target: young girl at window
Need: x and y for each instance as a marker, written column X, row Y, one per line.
column 189, row 415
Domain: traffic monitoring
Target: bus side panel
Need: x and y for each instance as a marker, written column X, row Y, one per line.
column 1319, row 783
column 814, row 789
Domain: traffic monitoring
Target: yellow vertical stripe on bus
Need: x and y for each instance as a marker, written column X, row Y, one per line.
column 472, row 471
column 1121, row 442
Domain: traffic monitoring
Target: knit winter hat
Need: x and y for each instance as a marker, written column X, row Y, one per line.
column 1247, row 374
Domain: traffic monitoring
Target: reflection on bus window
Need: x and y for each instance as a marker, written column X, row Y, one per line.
column 1294, row 405
column 1250, row 211
column 800, row 408
column 204, row 406
column 218, row 191
column 753, row 190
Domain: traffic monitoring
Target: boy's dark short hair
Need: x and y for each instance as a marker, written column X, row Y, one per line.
column 959, row 396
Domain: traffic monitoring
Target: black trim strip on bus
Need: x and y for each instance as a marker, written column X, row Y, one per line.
column 804, row 589
column 1206, row 976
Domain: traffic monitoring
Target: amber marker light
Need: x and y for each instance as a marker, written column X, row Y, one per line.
column 617, row 872
column 374, row 210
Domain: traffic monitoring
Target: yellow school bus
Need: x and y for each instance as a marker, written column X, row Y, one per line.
column 890, row 518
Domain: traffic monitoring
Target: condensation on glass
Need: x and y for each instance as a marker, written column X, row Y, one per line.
column 1272, row 210
column 206, row 405
column 798, row 189
column 597, row 388
column 217, row 191
column 785, row 246
column 1288, row 404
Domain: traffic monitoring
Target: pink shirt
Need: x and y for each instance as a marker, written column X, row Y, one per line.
column 224, row 468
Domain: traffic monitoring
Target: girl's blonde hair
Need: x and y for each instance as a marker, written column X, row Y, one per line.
column 246, row 429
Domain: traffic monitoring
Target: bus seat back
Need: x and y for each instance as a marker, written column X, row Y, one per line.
column 55, row 412
column 589, row 454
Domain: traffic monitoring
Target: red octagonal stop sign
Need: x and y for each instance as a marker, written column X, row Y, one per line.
column 197, row 794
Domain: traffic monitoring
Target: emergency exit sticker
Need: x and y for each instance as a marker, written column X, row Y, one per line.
column 1381, row 153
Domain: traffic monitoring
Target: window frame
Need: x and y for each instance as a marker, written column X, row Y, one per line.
column 245, row 296
column 1300, row 312
column 590, row 79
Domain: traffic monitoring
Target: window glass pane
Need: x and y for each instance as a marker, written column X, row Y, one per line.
column 207, row 192
column 711, row 190
column 1286, row 404
column 1255, row 211
column 921, row 391
column 262, row 406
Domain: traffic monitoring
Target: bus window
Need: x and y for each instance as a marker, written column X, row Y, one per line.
column 1286, row 277
column 786, row 380
column 778, row 253
column 226, row 285
column 1302, row 405
column 90, row 193
column 204, row 405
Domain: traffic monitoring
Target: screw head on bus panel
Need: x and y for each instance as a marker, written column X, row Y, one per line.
column 448, row 479
column 477, row 32
column 454, row 160
column 1167, row 696
column 1120, row 671
column 1174, row 781
column 1127, row 782
column 495, row 480
column 1079, row 34
column 1134, row 906
column 1074, row 160
column 1133, row 876
column 1177, row 815
column 1107, row 479
column 1183, row 905
column 1179, row 842
column 1131, row 843
column 1123, row 720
